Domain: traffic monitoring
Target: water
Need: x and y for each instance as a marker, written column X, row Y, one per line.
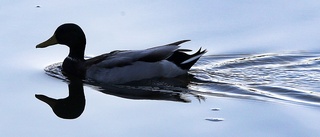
column 250, row 94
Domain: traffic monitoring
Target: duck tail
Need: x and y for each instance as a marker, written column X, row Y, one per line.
column 178, row 42
column 184, row 60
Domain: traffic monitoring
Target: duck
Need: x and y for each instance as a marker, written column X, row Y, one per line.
column 121, row 66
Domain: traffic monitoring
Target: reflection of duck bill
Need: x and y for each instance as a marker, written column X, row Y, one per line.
column 50, row 101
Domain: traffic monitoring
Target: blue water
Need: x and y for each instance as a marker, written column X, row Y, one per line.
column 277, row 77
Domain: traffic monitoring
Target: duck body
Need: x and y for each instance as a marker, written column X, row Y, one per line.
column 126, row 66
column 120, row 67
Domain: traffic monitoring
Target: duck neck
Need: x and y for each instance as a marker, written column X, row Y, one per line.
column 77, row 53
column 73, row 64
column 73, row 67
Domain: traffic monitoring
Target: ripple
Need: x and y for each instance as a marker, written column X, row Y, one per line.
column 215, row 119
column 291, row 77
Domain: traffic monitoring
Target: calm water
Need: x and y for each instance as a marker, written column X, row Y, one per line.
column 250, row 94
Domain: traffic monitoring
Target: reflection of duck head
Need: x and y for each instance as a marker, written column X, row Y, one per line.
column 70, row 107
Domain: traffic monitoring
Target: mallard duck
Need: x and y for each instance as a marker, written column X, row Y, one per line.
column 118, row 67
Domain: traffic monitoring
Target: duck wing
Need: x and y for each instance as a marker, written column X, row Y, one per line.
column 127, row 57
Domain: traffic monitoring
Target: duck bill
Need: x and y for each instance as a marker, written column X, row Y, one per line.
column 49, row 42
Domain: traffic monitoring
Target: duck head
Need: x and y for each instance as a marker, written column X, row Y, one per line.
column 71, row 35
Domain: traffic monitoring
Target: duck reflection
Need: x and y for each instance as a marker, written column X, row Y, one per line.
column 168, row 89
column 71, row 107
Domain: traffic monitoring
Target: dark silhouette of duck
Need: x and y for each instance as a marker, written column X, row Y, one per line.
column 119, row 67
